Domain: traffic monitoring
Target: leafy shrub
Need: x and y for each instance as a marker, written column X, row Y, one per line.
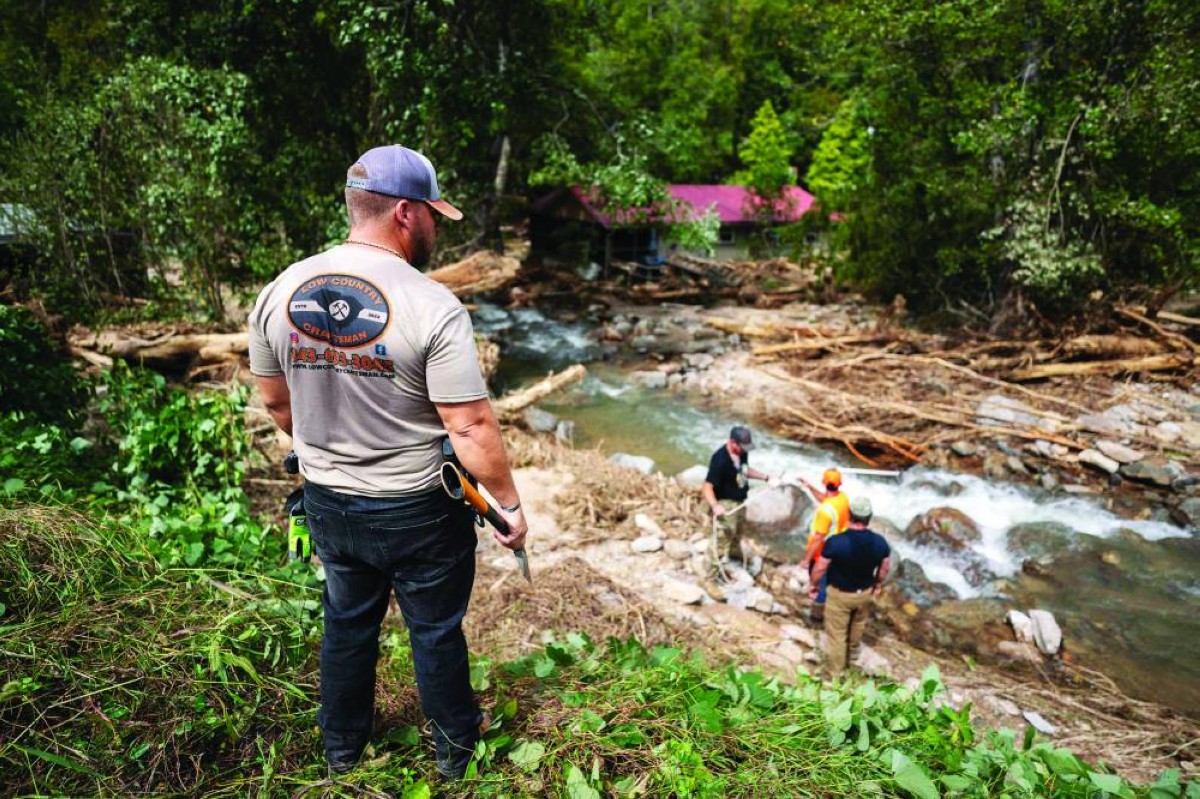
column 38, row 380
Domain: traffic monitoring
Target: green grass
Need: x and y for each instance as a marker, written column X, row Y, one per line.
column 125, row 677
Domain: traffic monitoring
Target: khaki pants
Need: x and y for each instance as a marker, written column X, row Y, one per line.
column 728, row 538
column 846, row 617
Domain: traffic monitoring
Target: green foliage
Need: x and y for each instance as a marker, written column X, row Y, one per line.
column 767, row 156
column 139, row 174
column 841, row 163
column 623, row 189
column 178, row 470
column 38, row 380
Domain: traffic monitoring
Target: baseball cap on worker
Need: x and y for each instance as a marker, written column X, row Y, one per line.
column 400, row 172
column 741, row 434
column 860, row 509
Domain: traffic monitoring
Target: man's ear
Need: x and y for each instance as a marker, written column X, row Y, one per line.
column 401, row 211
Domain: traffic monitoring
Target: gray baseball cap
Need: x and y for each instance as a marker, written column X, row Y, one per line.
column 741, row 434
column 860, row 509
column 400, row 172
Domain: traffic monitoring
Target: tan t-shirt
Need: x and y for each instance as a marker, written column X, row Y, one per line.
column 368, row 344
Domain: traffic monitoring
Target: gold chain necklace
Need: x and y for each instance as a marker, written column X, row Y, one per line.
column 396, row 253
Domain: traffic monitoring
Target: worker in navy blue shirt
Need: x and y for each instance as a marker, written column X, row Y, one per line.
column 725, row 488
column 856, row 563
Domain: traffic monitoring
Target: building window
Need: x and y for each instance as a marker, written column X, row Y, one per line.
column 726, row 236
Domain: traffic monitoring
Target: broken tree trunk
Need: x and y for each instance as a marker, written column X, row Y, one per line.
column 1153, row 363
column 478, row 273
column 822, row 344
column 510, row 404
column 1111, row 347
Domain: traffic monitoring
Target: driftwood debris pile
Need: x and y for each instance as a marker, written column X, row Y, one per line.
column 890, row 394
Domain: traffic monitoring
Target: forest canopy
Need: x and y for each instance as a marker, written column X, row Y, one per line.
column 960, row 152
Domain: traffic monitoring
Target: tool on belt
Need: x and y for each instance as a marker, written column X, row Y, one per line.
column 460, row 486
column 299, row 543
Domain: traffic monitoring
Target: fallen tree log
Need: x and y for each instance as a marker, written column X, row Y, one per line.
column 511, row 404
column 822, row 344
column 1153, row 363
column 1111, row 346
column 752, row 330
column 478, row 273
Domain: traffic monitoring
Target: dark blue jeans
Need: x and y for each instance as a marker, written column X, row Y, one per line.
column 423, row 548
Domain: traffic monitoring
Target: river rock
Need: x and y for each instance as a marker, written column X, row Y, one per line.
column 1040, row 542
column 886, row 528
column 639, row 462
column 647, row 525
column 698, row 360
column 1097, row 459
column 564, row 432
column 1019, row 650
column 1039, row 723
column 951, row 532
column 963, row 449
column 692, row 477
column 1046, row 632
column 1049, row 481
column 1113, row 422
column 872, row 663
column 676, row 549
column 912, row 584
column 1151, row 471
column 946, row 529
column 795, row 632
column 649, row 378
column 1022, row 625
column 775, row 512
column 1119, row 452
column 1016, row 465
column 749, row 596
column 682, row 592
column 1187, row 513
column 646, row 544
column 997, row 410
column 539, row 421
column 1166, row 433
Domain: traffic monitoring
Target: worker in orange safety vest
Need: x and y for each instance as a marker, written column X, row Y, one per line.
column 832, row 517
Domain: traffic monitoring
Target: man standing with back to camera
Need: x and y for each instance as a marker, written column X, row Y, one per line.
column 369, row 364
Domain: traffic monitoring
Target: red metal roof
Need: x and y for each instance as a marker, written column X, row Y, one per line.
column 735, row 204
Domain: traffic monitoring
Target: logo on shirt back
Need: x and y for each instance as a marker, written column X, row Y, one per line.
column 343, row 310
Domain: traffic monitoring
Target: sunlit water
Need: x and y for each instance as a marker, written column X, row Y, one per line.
column 1134, row 613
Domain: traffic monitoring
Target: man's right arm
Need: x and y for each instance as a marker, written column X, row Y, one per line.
column 278, row 399
column 710, row 496
column 475, row 436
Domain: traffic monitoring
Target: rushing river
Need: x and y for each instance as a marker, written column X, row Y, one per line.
column 1127, row 593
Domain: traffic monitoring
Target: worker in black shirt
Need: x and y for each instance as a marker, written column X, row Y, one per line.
column 856, row 563
column 725, row 488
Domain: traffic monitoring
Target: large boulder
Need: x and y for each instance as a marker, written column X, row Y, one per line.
column 911, row 583
column 950, row 533
column 692, row 477
column 1040, row 543
column 1046, row 632
column 1187, row 513
column 776, row 511
column 639, row 462
column 943, row 529
column 1151, row 471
